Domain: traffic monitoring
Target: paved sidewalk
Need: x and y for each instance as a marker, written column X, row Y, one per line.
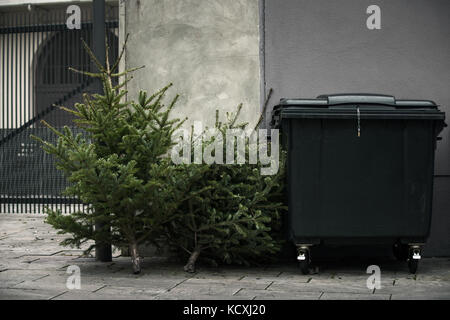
column 33, row 266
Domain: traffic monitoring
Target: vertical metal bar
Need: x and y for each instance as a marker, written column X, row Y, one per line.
column 15, row 112
column 2, row 152
column 80, row 55
column 84, row 37
column 58, row 113
column 25, row 104
column 99, row 34
column 37, row 40
column 3, row 84
column 55, row 78
column 71, row 58
column 103, row 250
column 19, row 62
column 43, row 172
column 32, row 84
column 8, row 103
column 28, row 94
column 74, row 83
column 41, row 18
column 87, row 60
column 21, row 182
column 8, row 74
column 58, row 81
column 15, row 72
column 66, row 55
column 62, row 55
column 55, row 81
column 62, row 116
column 22, row 150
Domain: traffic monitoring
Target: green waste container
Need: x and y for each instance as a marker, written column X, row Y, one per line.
column 359, row 171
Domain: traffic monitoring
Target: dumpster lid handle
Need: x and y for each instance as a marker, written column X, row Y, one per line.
column 359, row 98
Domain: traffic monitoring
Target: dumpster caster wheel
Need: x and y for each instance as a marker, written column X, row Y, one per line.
column 401, row 251
column 304, row 260
column 412, row 265
column 413, row 259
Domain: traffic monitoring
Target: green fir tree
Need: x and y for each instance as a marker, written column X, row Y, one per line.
column 118, row 168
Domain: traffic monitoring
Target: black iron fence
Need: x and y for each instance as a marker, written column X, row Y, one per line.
column 36, row 50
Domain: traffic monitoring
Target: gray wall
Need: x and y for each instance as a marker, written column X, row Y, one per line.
column 209, row 49
column 315, row 47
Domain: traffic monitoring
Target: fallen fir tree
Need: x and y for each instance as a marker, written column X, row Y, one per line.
column 233, row 213
column 118, row 167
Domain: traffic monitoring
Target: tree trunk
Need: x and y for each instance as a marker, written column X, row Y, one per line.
column 190, row 265
column 136, row 260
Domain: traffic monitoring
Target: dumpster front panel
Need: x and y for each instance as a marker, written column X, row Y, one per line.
column 378, row 185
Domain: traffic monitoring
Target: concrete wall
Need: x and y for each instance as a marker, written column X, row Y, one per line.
column 321, row 46
column 209, row 49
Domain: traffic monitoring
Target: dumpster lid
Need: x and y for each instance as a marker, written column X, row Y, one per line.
column 327, row 100
column 357, row 105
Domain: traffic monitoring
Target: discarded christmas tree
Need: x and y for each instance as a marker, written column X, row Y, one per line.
column 118, row 168
column 233, row 213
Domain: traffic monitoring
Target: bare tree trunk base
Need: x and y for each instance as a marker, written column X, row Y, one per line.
column 136, row 260
column 190, row 265
column 137, row 265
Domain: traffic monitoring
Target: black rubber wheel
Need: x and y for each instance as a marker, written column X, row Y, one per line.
column 304, row 264
column 412, row 265
column 401, row 252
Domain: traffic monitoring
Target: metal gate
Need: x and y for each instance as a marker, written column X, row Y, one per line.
column 36, row 49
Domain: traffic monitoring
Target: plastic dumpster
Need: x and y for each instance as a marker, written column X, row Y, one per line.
column 359, row 171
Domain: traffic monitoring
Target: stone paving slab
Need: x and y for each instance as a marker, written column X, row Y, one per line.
column 38, row 263
column 415, row 288
column 430, row 295
column 87, row 295
column 279, row 294
column 282, row 278
column 33, row 266
column 10, row 278
column 353, row 296
column 189, row 290
column 326, row 285
column 260, row 284
column 196, row 296
column 53, row 282
column 22, row 294
column 131, row 290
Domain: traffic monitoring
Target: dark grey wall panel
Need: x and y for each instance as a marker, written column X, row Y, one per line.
column 439, row 241
column 313, row 47
column 322, row 46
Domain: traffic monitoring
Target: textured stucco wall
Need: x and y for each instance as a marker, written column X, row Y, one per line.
column 209, row 49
